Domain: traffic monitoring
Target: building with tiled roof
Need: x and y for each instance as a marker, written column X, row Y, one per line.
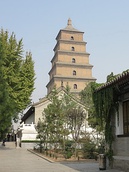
column 120, row 121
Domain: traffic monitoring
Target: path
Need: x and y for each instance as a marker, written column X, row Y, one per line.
column 21, row 160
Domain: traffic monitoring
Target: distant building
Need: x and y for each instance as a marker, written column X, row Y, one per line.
column 70, row 63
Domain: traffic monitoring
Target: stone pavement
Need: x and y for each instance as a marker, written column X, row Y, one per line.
column 20, row 160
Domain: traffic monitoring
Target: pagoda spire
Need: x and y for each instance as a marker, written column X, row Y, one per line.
column 69, row 22
column 69, row 26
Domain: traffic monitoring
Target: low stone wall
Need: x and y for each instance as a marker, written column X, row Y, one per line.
column 121, row 146
column 121, row 163
column 28, row 145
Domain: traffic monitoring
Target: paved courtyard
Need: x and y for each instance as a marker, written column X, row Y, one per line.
column 21, row 160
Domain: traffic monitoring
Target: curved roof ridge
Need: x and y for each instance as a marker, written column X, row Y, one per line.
column 119, row 78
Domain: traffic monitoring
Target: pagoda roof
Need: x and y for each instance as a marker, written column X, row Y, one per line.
column 69, row 26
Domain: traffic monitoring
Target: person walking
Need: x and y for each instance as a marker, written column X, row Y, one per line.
column 4, row 140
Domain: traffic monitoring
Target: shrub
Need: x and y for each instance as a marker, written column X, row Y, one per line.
column 89, row 150
column 68, row 149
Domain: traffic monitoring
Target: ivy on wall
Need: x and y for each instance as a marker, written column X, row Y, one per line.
column 106, row 105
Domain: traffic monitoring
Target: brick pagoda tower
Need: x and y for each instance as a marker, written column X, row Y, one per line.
column 70, row 63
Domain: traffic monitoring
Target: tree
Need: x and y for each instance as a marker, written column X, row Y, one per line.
column 94, row 121
column 63, row 116
column 89, row 148
column 87, row 99
column 54, row 118
column 76, row 117
column 17, row 79
column 26, row 80
column 105, row 105
column 67, row 104
column 42, row 130
column 6, row 106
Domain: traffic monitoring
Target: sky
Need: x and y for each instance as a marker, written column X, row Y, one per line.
column 105, row 25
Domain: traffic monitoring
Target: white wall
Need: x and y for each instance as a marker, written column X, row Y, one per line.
column 39, row 110
column 119, row 120
column 30, row 119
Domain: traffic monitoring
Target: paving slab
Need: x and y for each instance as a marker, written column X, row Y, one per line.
column 22, row 160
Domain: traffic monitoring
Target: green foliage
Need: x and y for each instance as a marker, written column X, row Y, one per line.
column 111, row 77
column 54, row 118
column 102, row 105
column 76, row 117
column 16, row 79
column 89, row 149
column 42, row 129
column 87, row 99
column 26, row 79
column 106, row 105
column 61, row 117
column 86, row 95
column 68, row 149
column 75, row 120
column 109, row 154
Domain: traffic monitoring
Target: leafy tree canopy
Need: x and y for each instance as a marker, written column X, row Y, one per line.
column 87, row 98
column 16, row 79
